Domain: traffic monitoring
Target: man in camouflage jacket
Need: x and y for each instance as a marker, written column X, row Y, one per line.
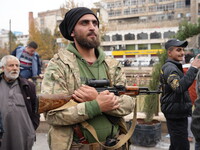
column 66, row 73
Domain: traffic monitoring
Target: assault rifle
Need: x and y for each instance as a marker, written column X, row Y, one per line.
column 52, row 101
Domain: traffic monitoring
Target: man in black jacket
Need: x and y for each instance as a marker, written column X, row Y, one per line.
column 18, row 107
column 175, row 101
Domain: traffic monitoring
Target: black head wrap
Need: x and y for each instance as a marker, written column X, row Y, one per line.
column 70, row 20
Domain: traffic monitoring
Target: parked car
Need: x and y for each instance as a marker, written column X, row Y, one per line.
column 141, row 61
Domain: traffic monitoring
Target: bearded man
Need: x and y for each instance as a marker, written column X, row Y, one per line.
column 18, row 107
column 67, row 73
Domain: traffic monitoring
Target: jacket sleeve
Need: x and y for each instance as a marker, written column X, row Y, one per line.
column 14, row 53
column 58, row 80
column 35, row 117
column 39, row 64
column 177, row 83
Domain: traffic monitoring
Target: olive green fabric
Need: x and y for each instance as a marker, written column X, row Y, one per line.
column 97, row 70
column 103, row 128
column 100, row 123
column 92, row 109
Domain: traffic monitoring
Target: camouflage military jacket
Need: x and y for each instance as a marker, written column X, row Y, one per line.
column 62, row 76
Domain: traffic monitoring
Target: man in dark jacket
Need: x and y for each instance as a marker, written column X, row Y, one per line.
column 175, row 101
column 18, row 107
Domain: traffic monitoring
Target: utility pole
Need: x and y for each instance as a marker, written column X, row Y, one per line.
column 10, row 36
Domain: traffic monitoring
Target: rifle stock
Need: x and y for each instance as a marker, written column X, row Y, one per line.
column 52, row 101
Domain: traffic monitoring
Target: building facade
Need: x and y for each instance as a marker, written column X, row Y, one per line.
column 49, row 20
column 140, row 26
column 4, row 39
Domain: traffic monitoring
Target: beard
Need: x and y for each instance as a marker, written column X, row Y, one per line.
column 11, row 75
column 85, row 42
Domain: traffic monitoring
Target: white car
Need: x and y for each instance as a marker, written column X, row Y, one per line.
column 141, row 62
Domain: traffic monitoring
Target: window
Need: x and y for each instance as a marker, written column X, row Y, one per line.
column 187, row 2
column 106, row 38
column 169, row 34
column 142, row 36
column 127, row 2
column 155, row 35
column 134, row 2
column 156, row 46
column 142, row 46
column 180, row 4
column 130, row 47
column 107, row 48
column 116, row 37
column 127, row 11
column 141, row 2
column 129, row 36
column 134, row 10
column 42, row 21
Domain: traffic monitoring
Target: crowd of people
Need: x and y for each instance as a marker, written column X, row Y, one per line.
column 91, row 120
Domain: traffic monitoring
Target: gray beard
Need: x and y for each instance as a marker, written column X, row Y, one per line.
column 11, row 76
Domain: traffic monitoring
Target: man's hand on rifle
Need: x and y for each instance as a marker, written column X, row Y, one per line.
column 107, row 101
column 85, row 93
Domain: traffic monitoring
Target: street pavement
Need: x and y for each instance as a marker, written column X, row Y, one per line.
column 41, row 143
column 41, row 137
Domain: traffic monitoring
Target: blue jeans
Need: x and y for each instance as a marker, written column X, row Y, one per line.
column 25, row 73
column 197, row 146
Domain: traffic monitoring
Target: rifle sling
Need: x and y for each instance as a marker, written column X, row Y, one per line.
column 122, row 139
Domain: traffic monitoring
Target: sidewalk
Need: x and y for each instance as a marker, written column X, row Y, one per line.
column 41, row 144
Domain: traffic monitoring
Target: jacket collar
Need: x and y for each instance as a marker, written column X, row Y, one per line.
column 178, row 64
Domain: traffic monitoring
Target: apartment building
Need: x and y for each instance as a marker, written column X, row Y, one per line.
column 139, row 28
column 4, row 38
column 49, row 19
column 134, row 28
